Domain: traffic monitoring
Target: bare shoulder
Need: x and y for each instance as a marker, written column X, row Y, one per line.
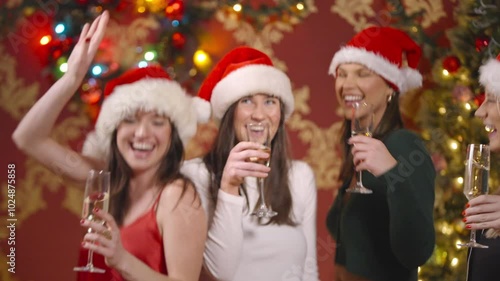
column 180, row 206
column 180, row 192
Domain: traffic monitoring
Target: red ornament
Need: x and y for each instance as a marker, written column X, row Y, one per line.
column 91, row 92
column 479, row 99
column 178, row 40
column 175, row 10
column 56, row 49
column 451, row 64
column 481, row 43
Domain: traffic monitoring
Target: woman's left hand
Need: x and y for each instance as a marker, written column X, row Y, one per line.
column 371, row 154
column 105, row 238
column 483, row 212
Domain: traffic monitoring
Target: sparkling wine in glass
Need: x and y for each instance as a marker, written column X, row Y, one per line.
column 361, row 124
column 96, row 196
column 259, row 133
column 477, row 169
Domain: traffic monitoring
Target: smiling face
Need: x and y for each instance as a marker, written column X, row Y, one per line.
column 143, row 140
column 259, row 108
column 356, row 83
column 489, row 112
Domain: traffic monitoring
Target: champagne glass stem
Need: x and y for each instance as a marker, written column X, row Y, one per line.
column 473, row 236
column 261, row 190
column 90, row 258
column 360, row 178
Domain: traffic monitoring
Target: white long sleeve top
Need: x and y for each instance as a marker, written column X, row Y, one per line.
column 238, row 248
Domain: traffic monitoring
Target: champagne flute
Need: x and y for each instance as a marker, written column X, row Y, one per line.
column 96, row 196
column 477, row 168
column 361, row 124
column 259, row 133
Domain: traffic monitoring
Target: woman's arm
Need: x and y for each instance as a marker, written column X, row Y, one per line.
column 33, row 132
column 184, row 228
column 225, row 237
column 410, row 197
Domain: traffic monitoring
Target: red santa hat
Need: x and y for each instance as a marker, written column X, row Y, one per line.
column 149, row 89
column 489, row 75
column 384, row 50
column 242, row 72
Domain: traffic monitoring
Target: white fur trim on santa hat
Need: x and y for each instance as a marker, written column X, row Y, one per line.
column 489, row 76
column 404, row 78
column 163, row 96
column 250, row 80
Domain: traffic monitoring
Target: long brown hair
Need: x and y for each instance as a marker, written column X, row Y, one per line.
column 391, row 120
column 168, row 172
column 277, row 186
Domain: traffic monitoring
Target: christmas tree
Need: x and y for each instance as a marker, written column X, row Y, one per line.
column 447, row 123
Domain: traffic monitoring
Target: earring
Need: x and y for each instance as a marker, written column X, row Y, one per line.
column 389, row 97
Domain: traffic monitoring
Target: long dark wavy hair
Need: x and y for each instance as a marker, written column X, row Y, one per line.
column 168, row 172
column 391, row 120
column 277, row 186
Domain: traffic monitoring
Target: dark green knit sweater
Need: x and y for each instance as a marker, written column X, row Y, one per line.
column 386, row 235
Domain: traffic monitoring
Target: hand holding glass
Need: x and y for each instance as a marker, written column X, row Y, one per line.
column 259, row 133
column 477, row 168
column 96, row 196
column 361, row 124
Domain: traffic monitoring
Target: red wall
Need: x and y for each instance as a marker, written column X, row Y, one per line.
column 48, row 234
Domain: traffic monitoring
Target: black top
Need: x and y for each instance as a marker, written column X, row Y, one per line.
column 484, row 264
column 386, row 235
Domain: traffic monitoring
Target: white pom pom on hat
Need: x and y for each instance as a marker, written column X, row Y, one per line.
column 489, row 75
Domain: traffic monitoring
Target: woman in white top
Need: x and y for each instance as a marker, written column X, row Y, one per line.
column 244, row 87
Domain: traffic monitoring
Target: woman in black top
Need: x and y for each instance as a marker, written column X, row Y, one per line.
column 483, row 213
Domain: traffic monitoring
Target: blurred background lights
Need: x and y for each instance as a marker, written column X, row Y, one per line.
column 202, row 60
column 59, row 28
column 45, row 40
column 97, row 70
column 149, row 56
column 237, row 8
column 63, row 67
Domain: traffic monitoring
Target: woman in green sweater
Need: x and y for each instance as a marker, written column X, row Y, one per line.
column 386, row 235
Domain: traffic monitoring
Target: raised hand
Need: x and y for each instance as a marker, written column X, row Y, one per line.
column 483, row 212
column 85, row 49
column 105, row 239
column 238, row 167
column 371, row 155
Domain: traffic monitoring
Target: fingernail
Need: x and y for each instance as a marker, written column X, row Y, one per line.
column 464, row 219
column 463, row 213
column 87, row 40
column 82, row 221
column 467, row 205
column 96, row 210
column 468, row 226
